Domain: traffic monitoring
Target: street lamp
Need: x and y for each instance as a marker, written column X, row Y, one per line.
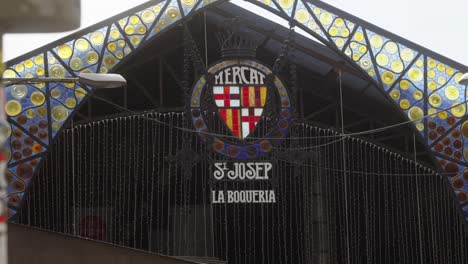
column 464, row 79
column 95, row 80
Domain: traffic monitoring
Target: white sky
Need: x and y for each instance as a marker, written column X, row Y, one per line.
column 437, row 25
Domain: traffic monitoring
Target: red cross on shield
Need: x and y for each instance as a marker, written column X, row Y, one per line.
column 241, row 107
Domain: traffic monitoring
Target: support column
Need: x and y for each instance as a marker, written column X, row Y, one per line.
column 3, row 163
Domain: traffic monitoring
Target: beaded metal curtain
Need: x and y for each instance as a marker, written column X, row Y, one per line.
column 120, row 181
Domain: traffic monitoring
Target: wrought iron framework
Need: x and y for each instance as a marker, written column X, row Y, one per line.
column 419, row 81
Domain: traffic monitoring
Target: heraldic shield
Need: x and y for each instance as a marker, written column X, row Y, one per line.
column 241, row 107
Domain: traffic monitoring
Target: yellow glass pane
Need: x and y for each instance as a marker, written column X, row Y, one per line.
column 382, row 59
column 404, row 84
column 157, row 9
column 339, row 42
column 40, row 71
column 388, row 77
column 28, row 64
column 395, row 94
column 465, row 153
column 365, row 63
column 415, row 113
column 55, row 93
column 325, row 18
column 355, row 57
column 312, row 25
column 344, row 32
column 418, row 95
column 376, row 41
column 119, row 55
column 302, row 16
column 57, row 71
column 9, row 74
column 76, row 63
column 37, row 98
column 190, row 3
column 333, row 31
column 458, row 110
column 42, row 111
column 362, row 49
column 70, row 102
column 82, row 45
column 420, row 63
column 114, row 34
column 59, row 113
column 40, row 85
column 415, row 74
column 420, row 126
column 92, row 57
column 435, row 100
column 97, row 38
column 30, row 113
column 121, row 43
column 359, row 36
column 80, row 92
column 134, row 20
column 404, row 104
column 109, row 61
column 450, row 71
column 408, row 55
column 441, row 67
column 39, row 60
column 135, row 40
column 55, row 126
column 391, row 47
column 339, row 22
column 111, row 46
column 65, row 51
column 13, row 108
column 19, row 67
column 141, row 29
column 397, row 66
column 452, row 93
column 441, row 80
column 129, row 30
column 443, row 115
column 174, row 13
column 464, row 129
column 432, row 85
column 51, row 60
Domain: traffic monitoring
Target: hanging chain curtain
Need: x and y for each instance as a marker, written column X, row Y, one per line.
column 126, row 181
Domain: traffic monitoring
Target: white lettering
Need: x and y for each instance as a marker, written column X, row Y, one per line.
column 246, row 196
column 242, row 171
column 219, row 78
column 217, row 197
column 227, row 76
column 239, row 75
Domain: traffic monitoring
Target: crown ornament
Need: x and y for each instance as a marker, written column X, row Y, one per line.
column 233, row 43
